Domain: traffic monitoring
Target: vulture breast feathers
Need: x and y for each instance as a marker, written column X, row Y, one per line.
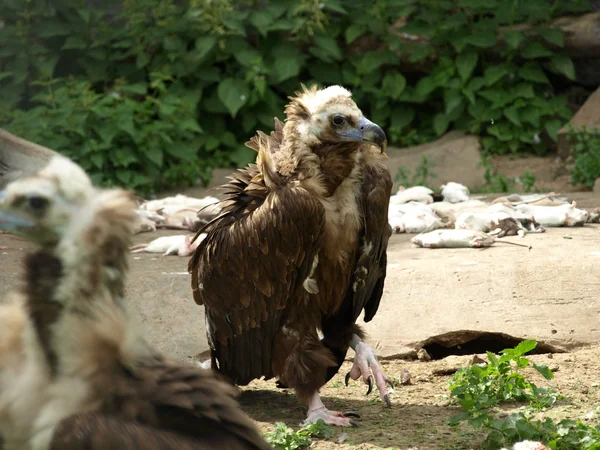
column 300, row 243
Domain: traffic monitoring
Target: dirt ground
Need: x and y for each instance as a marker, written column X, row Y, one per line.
column 417, row 419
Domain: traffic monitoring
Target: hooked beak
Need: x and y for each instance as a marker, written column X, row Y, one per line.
column 11, row 222
column 366, row 131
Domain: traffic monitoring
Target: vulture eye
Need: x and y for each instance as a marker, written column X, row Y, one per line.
column 37, row 203
column 338, row 120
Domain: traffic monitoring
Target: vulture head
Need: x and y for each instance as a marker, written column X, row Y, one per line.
column 330, row 116
column 39, row 207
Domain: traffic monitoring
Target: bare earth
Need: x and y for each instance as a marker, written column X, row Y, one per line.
column 548, row 293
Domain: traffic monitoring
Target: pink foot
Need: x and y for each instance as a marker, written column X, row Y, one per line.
column 366, row 364
column 317, row 410
column 336, row 418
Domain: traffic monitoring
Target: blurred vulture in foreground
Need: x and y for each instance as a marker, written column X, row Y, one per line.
column 300, row 247
column 75, row 371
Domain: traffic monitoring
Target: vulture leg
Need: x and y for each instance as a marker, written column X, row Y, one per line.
column 366, row 364
column 317, row 410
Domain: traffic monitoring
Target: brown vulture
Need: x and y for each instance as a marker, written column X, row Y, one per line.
column 300, row 248
column 75, row 370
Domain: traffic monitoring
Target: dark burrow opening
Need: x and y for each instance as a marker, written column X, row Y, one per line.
column 472, row 342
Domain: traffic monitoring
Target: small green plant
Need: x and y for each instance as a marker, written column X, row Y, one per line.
column 478, row 388
column 585, row 148
column 285, row 438
column 422, row 175
column 494, row 181
column 528, row 181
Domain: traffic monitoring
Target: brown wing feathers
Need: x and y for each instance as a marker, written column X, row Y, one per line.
column 267, row 241
column 369, row 272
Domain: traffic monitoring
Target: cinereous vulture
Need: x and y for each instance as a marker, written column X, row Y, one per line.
column 300, row 248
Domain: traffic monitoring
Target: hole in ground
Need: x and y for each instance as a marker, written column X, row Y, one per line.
column 468, row 342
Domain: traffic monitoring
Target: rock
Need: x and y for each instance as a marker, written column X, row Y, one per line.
column 597, row 185
column 588, row 115
column 405, row 378
column 422, row 355
column 19, row 157
column 454, row 157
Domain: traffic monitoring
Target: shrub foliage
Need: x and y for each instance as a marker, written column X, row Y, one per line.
column 151, row 93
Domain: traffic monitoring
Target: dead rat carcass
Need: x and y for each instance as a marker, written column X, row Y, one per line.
column 498, row 222
column 449, row 212
column 420, row 194
column 180, row 245
column 455, row 192
column 453, row 238
column 593, row 215
column 567, row 215
column 180, row 200
column 414, row 222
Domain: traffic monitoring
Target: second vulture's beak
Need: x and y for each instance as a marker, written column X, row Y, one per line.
column 366, row 131
column 10, row 221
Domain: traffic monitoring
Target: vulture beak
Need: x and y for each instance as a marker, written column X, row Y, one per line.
column 366, row 131
column 11, row 222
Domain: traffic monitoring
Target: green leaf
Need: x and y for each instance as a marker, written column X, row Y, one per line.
column 440, row 123
column 204, row 44
column 74, row 42
column 524, row 90
column 155, row 154
column 247, row 56
column 552, row 127
column 532, row 72
column 353, row 32
column 525, row 347
column 420, row 52
column 555, row 36
column 482, row 39
column 535, row 50
column 563, row 64
column 544, row 371
column 502, row 131
column 286, row 66
column 465, row 63
column 512, row 114
column 453, row 99
column 97, row 159
column 261, row 21
column 138, row 88
column 425, row 86
column 234, row 94
column 401, row 117
column 393, row 84
column 495, row 73
column 514, row 38
column 329, row 45
column 172, row 43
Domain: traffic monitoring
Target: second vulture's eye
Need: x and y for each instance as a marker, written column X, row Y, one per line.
column 338, row 120
column 37, row 203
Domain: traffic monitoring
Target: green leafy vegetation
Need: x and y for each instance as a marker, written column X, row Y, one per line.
column 285, row 438
column 153, row 93
column 423, row 174
column 479, row 388
column 585, row 149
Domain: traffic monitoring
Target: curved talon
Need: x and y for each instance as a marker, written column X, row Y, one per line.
column 354, row 424
column 387, row 400
column 390, row 383
column 370, row 381
column 347, row 379
column 352, row 414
